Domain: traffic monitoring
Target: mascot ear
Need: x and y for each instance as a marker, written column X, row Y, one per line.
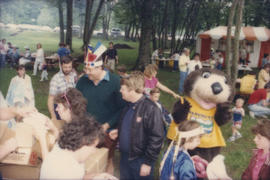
column 180, row 111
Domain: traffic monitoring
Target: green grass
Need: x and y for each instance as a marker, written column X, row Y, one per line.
column 237, row 153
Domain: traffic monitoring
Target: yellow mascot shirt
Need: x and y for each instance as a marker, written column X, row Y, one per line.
column 213, row 136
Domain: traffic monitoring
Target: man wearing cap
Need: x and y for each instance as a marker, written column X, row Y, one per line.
column 102, row 90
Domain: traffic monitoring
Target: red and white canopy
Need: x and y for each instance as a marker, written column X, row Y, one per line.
column 248, row 33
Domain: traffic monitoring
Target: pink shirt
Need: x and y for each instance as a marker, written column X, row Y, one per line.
column 149, row 84
column 260, row 159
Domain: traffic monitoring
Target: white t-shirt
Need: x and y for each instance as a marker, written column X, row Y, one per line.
column 192, row 65
column 40, row 55
column 60, row 164
column 4, row 48
column 176, row 57
column 220, row 60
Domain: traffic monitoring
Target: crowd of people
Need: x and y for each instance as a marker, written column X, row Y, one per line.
column 108, row 107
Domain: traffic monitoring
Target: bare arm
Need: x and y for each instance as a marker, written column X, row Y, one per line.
column 116, row 60
column 7, row 113
column 106, row 59
column 243, row 112
column 11, row 112
column 167, row 90
column 50, row 106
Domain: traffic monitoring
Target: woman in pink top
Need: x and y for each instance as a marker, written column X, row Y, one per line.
column 151, row 82
column 259, row 166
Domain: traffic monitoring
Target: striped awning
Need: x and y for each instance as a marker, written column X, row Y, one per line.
column 248, row 33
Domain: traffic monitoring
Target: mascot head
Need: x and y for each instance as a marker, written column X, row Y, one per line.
column 208, row 87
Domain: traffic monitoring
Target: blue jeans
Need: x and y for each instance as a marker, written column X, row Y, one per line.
column 258, row 109
column 219, row 66
column 175, row 65
column 183, row 76
column 130, row 169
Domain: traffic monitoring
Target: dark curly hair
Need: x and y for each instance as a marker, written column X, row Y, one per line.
column 80, row 132
column 74, row 100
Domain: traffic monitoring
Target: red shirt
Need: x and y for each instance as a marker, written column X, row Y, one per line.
column 257, row 96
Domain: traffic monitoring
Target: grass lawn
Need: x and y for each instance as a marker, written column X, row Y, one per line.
column 237, row 153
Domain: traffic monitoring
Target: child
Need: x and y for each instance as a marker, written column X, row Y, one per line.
column 150, row 81
column 122, row 71
column 175, row 57
column 44, row 73
column 177, row 163
column 20, row 91
column 259, row 166
column 238, row 113
column 154, row 96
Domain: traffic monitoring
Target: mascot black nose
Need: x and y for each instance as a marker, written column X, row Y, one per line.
column 216, row 88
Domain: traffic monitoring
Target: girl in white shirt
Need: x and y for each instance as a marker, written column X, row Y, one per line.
column 39, row 59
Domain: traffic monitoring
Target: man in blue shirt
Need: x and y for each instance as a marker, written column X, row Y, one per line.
column 62, row 51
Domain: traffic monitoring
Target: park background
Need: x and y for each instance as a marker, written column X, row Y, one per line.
column 144, row 26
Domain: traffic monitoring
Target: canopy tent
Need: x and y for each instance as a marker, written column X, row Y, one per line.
column 256, row 42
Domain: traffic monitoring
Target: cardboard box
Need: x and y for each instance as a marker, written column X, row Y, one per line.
column 24, row 154
column 97, row 162
column 12, row 171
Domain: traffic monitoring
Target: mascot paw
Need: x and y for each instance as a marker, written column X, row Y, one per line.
column 223, row 113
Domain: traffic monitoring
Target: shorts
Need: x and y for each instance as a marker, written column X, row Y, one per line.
column 237, row 124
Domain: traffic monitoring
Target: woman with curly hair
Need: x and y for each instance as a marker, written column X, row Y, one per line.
column 77, row 141
column 70, row 105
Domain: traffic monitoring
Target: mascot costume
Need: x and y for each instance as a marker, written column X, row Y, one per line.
column 208, row 93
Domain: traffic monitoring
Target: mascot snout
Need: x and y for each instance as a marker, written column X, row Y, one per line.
column 216, row 88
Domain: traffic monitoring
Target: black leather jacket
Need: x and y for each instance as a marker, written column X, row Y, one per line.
column 147, row 131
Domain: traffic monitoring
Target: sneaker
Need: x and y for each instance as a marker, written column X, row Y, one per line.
column 252, row 114
column 238, row 136
column 231, row 139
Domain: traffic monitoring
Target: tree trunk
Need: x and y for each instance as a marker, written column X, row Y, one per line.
column 238, row 24
column 154, row 39
column 61, row 21
column 164, row 24
column 93, row 25
column 132, row 32
column 88, row 9
column 229, row 38
column 69, row 23
column 137, row 32
column 106, row 18
column 146, row 30
column 81, row 25
column 127, row 34
column 174, row 25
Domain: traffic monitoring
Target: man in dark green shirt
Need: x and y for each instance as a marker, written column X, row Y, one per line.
column 102, row 91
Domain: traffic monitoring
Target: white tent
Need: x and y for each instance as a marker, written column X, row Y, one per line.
column 255, row 39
